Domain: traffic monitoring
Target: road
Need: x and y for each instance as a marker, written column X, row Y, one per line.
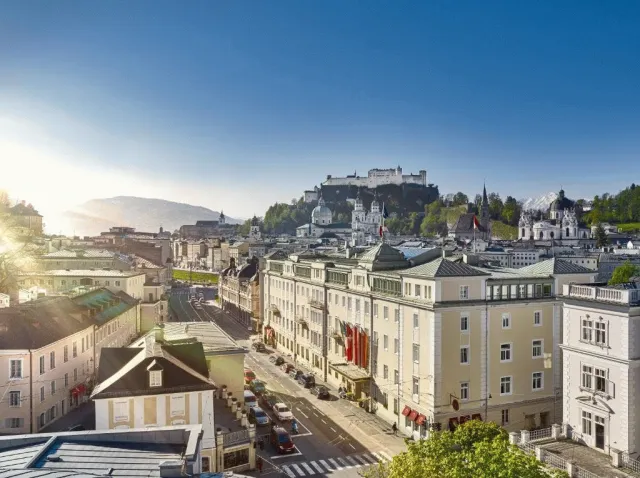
column 329, row 440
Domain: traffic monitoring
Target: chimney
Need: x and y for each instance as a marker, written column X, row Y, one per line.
column 447, row 253
column 171, row 469
column 471, row 259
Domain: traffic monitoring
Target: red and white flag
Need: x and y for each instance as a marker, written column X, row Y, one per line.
column 383, row 229
column 476, row 223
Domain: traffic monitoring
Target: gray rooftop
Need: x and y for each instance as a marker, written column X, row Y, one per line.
column 212, row 337
column 83, row 273
column 444, row 268
column 80, row 254
column 556, row 266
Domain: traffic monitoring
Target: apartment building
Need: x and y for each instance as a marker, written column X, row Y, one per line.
column 239, row 292
column 601, row 372
column 154, row 307
column 48, row 352
column 158, row 385
column 431, row 341
column 54, row 281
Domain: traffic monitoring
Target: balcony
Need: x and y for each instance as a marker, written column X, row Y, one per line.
column 302, row 321
column 274, row 309
column 602, row 294
column 336, row 334
column 316, row 304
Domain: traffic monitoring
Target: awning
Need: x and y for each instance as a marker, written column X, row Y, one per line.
column 420, row 420
column 413, row 415
column 350, row 371
column 78, row 389
column 406, row 411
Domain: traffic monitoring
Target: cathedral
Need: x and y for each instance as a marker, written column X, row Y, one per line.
column 322, row 223
column 365, row 224
column 562, row 226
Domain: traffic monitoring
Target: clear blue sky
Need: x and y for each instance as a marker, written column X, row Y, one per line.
column 237, row 104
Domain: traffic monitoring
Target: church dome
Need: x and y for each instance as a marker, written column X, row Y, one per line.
column 561, row 203
column 254, row 221
column 321, row 214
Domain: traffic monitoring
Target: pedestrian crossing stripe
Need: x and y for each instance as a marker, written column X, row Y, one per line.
column 295, row 470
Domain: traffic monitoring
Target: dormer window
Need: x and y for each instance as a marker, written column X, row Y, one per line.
column 155, row 378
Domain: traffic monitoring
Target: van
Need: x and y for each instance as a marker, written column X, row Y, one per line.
column 250, row 399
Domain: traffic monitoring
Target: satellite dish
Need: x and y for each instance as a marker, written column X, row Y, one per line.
column 455, row 405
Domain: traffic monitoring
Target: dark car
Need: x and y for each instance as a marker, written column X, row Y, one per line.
column 259, row 347
column 279, row 361
column 281, row 440
column 287, row 367
column 294, row 374
column 321, row 392
column 307, row 380
column 257, row 387
column 268, row 400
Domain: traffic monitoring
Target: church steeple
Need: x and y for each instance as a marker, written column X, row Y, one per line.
column 484, row 208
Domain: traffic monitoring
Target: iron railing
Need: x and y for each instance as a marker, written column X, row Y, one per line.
column 233, row 438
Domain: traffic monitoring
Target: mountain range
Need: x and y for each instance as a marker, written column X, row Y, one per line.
column 539, row 203
column 145, row 214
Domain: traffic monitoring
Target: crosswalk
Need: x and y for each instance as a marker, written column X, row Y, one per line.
column 328, row 465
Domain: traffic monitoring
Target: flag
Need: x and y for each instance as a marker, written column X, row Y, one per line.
column 476, row 223
column 385, row 214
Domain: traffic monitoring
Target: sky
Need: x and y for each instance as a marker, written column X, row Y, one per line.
column 234, row 104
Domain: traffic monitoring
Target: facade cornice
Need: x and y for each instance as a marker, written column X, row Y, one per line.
column 633, row 362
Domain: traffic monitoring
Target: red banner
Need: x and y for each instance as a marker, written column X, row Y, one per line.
column 356, row 346
column 365, row 347
column 348, row 349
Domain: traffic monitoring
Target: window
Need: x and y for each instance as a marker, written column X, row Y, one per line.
column 385, row 372
column 505, row 386
column 65, row 354
column 505, row 352
column 396, row 377
column 506, row 321
column 66, row 379
column 41, row 364
column 52, row 360
column 15, row 368
column 587, row 330
column 601, row 380
column 416, row 321
column 177, row 405
column 385, row 342
column 537, row 348
column 82, row 349
column 74, row 353
column 14, row 422
column 417, row 290
column 587, row 377
column 75, row 375
column 416, row 353
column 53, row 387
column 397, row 315
column 505, row 416
column 464, row 391
column 416, row 386
column 375, row 310
column 121, row 411
column 14, row 399
column 586, row 422
column 537, row 381
column 464, row 292
column 396, row 346
column 464, row 354
column 464, row 323
column 428, row 290
column 42, row 394
column 385, row 312
column 601, row 333
column 155, row 378
column 537, row 318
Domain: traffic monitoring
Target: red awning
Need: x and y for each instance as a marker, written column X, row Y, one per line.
column 78, row 389
column 413, row 415
column 406, row 411
column 420, row 420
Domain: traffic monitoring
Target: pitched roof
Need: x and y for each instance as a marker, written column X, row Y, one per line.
column 80, row 254
column 465, row 224
column 184, row 368
column 442, row 267
column 556, row 266
column 278, row 254
column 381, row 257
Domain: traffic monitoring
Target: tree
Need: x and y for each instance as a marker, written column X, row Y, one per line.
column 474, row 450
column 601, row 236
column 495, row 206
column 245, row 228
column 623, row 273
column 460, row 199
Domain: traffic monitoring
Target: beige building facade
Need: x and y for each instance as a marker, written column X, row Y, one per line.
column 426, row 344
column 239, row 292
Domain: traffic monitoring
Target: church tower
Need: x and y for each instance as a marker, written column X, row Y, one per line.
column 221, row 219
column 484, row 213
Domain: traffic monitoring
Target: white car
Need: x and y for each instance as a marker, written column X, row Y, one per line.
column 282, row 412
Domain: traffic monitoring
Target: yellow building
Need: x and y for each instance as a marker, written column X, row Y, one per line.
column 428, row 342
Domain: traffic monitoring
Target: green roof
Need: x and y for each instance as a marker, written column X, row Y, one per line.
column 556, row 266
column 442, row 267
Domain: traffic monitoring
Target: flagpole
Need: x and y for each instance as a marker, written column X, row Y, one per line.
column 474, row 234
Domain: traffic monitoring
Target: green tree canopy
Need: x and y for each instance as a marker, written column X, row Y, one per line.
column 601, row 236
column 474, row 450
column 623, row 273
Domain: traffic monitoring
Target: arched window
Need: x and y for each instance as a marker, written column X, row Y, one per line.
column 568, row 232
column 551, row 234
column 522, row 232
column 541, row 235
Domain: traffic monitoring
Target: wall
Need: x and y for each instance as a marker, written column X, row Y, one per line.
column 227, row 369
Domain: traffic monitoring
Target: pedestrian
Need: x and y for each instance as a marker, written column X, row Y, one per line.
column 394, row 429
column 261, row 443
column 259, row 464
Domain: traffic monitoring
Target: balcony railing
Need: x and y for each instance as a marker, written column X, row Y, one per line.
column 302, row 321
column 316, row 304
column 235, row 438
column 602, row 294
column 275, row 310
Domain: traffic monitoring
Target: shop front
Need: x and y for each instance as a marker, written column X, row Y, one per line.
column 354, row 379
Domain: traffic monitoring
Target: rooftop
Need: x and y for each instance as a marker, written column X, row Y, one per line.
column 83, row 273
column 442, row 267
column 124, row 453
column 80, row 254
column 212, row 337
column 556, row 266
column 622, row 294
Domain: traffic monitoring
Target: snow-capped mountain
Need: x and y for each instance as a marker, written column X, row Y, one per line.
column 539, row 203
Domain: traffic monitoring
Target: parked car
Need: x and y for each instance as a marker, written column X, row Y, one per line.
column 307, row 380
column 258, row 347
column 282, row 412
column 257, row 387
column 281, row 440
column 258, row 417
column 250, row 399
column 279, row 361
column 286, row 367
column 268, row 400
column 321, row 392
column 273, row 359
column 294, row 374
column 249, row 376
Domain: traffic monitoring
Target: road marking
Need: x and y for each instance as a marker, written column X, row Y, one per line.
column 277, row 457
column 298, row 469
column 326, row 465
column 315, row 414
column 343, row 463
column 360, row 459
column 323, row 421
column 303, row 414
column 370, row 458
column 289, row 472
column 334, row 430
column 386, row 457
column 352, row 446
column 317, row 467
column 301, row 435
column 335, row 464
column 377, row 457
column 352, row 461
column 308, row 468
